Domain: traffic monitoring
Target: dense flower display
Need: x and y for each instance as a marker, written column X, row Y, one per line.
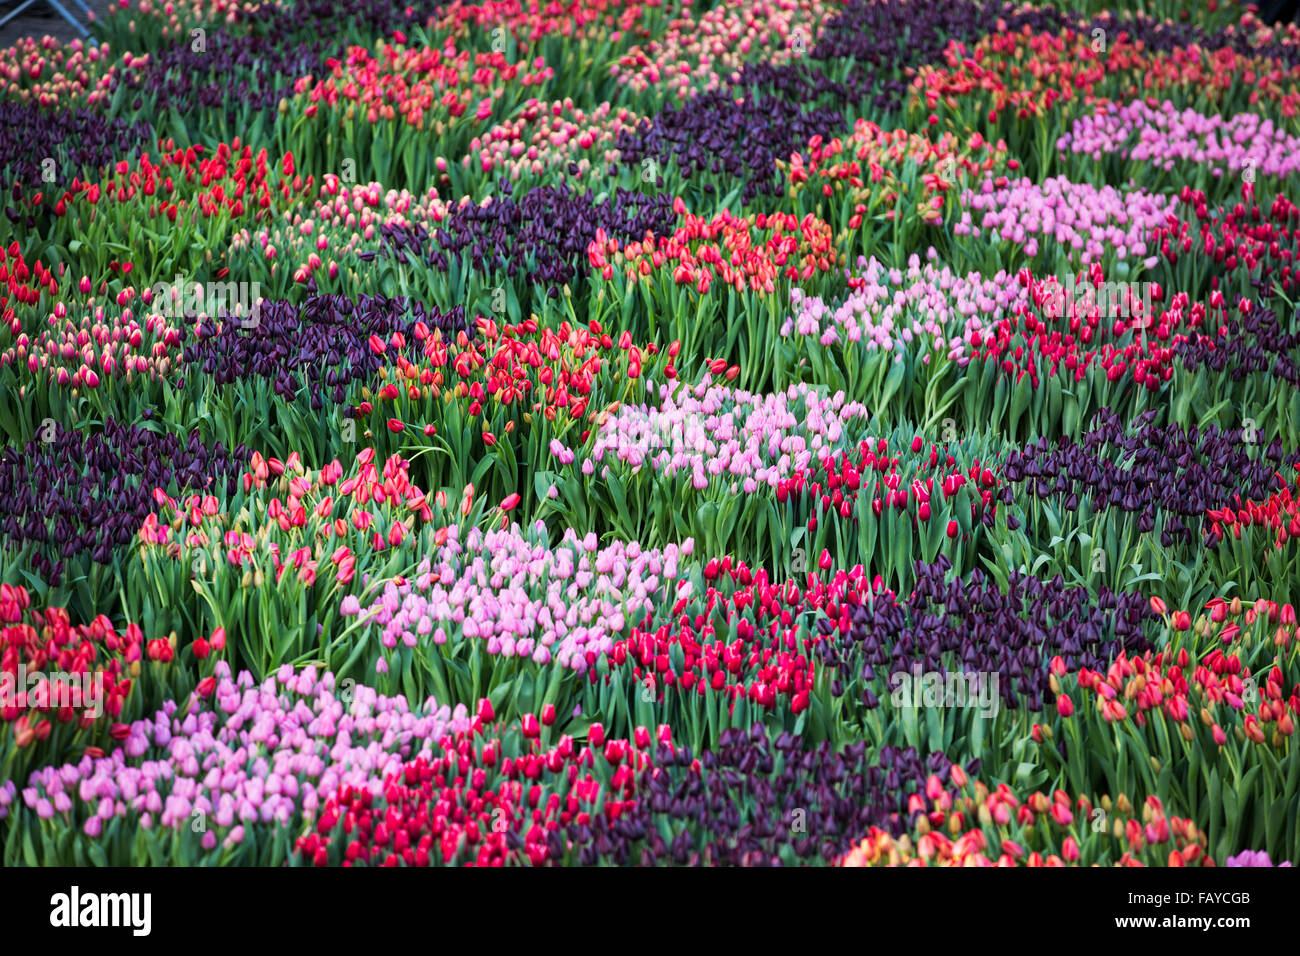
column 748, row 433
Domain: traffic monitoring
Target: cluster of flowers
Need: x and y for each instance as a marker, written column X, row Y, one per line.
column 51, row 74
column 1068, row 66
column 1091, row 324
column 1248, row 341
column 1250, row 244
column 1248, row 35
column 866, row 169
column 89, row 490
column 239, row 755
column 747, row 636
column 889, row 36
column 481, row 802
column 994, row 827
column 531, row 21
column 758, row 801
column 1171, row 473
column 86, row 340
column 1258, row 632
column 1012, row 636
column 700, row 54
column 52, row 668
column 343, row 222
column 890, row 309
column 834, row 486
column 744, row 252
column 1092, row 223
column 294, row 533
column 1147, row 131
column 989, row 72
column 734, row 135
column 751, row 801
column 521, row 370
column 1141, row 687
column 173, row 20
column 1278, row 516
column 549, row 136
column 522, row 598
column 414, row 82
column 182, row 183
column 40, row 146
column 257, row 45
column 711, row 431
column 543, row 235
column 322, row 343
column 189, row 78
column 22, row 284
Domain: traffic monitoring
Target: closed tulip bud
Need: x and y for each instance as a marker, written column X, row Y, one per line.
column 548, row 715
column 531, row 728
column 23, row 732
column 596, row 735
column 1070, row 850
